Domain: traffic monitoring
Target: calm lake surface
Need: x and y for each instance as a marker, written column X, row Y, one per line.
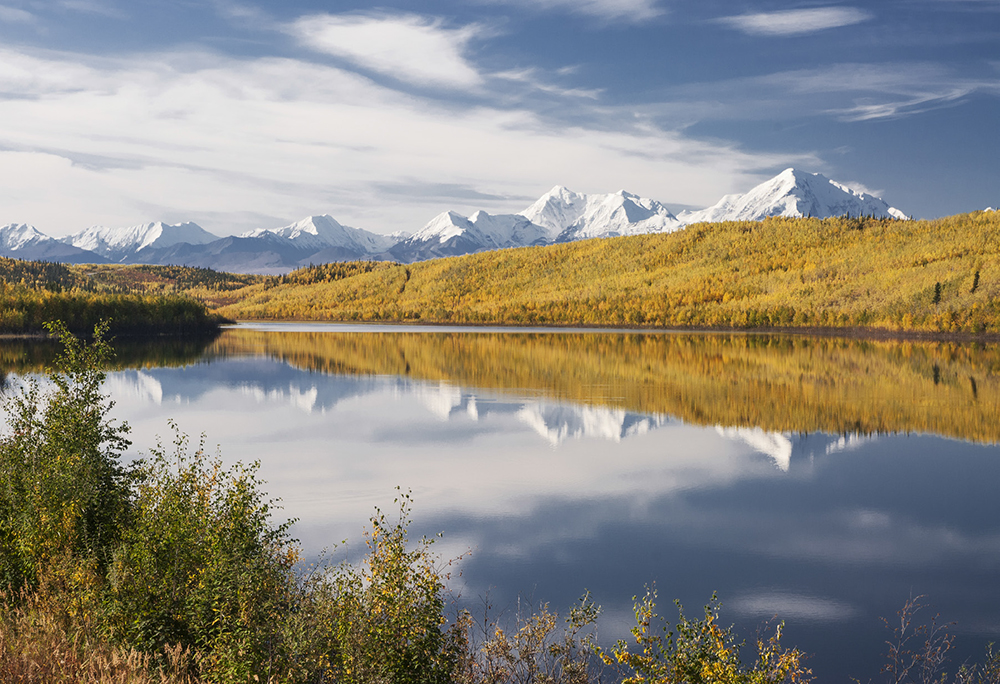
column 821, row 480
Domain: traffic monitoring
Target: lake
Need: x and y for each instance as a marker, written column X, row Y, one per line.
column 822, row 480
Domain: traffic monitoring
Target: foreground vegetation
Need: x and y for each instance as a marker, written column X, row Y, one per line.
column 935, row 276
column 34, row 292
column 170, row 570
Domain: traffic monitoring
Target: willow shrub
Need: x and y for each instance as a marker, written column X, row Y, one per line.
column 63, row 491
column 699, row 652
column 200, row 565
column 384, row 620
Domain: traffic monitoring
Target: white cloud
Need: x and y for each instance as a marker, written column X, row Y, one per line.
column 91, row 7
column 619, row 10
column 796, row 22
column 189, row 136
column 531, row 78
column 408, row 48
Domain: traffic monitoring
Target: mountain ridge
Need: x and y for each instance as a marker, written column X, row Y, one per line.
column 560, row 215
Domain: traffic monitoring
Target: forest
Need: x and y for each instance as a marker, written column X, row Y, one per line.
column 33, row 293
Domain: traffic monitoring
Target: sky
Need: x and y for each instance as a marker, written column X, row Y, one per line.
column 245, row 115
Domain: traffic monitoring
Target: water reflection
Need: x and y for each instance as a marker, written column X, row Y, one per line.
column 821, row 480
column 776, row 383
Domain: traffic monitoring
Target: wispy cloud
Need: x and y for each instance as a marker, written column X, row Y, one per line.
column 227, row 138
column 796, row 22
column 91, row 7
column 848, row 92
column 883, row 91
column 15, row 16
column 617, row 10
column 530, row 77
column 406, row 47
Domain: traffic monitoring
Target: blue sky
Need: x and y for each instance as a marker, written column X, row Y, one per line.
column 252, row 115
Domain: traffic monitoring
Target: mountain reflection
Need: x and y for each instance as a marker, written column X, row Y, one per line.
column 779, row 384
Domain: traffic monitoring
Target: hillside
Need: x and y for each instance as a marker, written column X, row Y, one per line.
column 940, row 275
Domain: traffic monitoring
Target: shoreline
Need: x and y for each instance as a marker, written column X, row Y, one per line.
column 847, row 332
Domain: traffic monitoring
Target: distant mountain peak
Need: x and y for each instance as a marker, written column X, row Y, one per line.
column 118, row 244
column 323, row 232
column 16, row 235
column 794, row 193
column 573, row 216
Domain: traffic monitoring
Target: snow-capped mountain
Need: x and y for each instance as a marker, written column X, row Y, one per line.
column 121, row 244
column 451, row 234
column 784, row 448
column 16, row 236
column 266, row 254
column 317, row 233
column 22, row 241
column 794, row 193
column 559, row 215
column 569, row 216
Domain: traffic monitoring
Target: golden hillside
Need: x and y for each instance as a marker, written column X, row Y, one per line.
column 940, row 275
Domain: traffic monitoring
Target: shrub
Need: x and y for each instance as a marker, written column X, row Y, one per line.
column 531, row 649
column 384, row 619
column 200, row 565
column 63, row 493
column 699, row 652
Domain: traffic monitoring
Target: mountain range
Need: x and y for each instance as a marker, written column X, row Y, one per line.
column 559, row 215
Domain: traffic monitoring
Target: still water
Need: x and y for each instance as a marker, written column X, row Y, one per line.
column 820, row 480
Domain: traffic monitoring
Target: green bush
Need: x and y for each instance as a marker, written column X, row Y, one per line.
column 699, row 652
column 200, row 565
column 63, row 491
column 384, row 620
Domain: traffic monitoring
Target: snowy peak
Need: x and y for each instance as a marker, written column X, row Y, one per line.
column 794, row 193
column 16, row 236
column 22, row 241
column 324, row 232
column 492, row 232
column 441, row 228
column 572, row 216
column 117, row 244
column 508, row 230
column 451, row 234
column 557, row 210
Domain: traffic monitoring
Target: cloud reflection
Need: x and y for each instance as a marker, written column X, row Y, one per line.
column 554, row 496
column 769, row 604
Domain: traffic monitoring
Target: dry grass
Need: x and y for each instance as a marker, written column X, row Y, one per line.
column 42, row 642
